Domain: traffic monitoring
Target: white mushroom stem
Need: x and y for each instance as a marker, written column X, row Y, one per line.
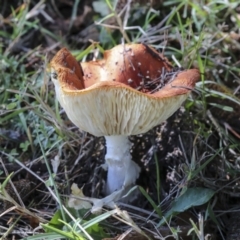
column 122, row 171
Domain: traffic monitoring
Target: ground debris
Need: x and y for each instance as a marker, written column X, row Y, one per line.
column 233, row 227
column 23, row 188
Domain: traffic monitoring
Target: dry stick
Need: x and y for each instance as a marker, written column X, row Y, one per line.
column 164, row 79
column 228, row 127
column 158, row 83
column 121, row 27
column 125, row 51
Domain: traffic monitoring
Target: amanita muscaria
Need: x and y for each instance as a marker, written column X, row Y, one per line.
column 102, row 97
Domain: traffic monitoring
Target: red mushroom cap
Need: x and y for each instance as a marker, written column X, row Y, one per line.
column 100, row 97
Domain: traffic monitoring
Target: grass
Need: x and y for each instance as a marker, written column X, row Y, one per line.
column 35, row 133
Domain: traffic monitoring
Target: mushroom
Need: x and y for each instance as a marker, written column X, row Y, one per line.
column 110, row 97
